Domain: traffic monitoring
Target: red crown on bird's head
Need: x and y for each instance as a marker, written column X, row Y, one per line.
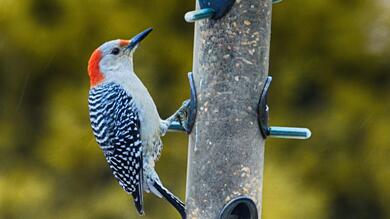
column 95, row 75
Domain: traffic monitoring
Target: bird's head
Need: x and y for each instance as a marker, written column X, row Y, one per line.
column 113, row 58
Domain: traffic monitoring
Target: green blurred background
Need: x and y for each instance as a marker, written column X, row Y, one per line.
column 330, row 60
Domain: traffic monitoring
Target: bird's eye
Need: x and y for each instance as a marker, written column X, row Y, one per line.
column 115, row 51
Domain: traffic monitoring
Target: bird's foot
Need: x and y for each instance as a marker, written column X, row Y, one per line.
column 178, row 121
column 181, row 114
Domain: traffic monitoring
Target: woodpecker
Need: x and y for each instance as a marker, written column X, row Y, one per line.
column 125, row 121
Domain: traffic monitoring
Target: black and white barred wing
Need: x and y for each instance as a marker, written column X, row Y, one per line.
column 116, row 126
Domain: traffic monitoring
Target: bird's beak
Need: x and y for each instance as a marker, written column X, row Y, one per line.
column 137, row 39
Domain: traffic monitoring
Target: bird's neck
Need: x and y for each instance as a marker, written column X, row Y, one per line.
column 129, row 81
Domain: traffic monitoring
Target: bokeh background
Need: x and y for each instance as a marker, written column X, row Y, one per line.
column 330, row 60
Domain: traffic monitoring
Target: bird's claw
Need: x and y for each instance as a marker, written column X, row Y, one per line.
column 182, row 114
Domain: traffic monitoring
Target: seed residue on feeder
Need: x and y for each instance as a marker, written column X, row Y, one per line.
column 245, row 171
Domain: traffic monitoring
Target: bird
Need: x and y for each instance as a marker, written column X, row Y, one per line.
column 125, row 121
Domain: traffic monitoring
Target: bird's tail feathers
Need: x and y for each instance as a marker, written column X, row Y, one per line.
column 138, row 200
column 138, row 194
column 175, row 202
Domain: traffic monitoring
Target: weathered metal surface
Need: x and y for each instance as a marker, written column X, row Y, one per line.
column 226, row 148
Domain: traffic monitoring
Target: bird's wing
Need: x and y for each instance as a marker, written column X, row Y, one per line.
column 120, row 140
column 126, row 161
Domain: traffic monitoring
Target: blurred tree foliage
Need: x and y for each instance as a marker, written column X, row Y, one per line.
column 331, row 69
